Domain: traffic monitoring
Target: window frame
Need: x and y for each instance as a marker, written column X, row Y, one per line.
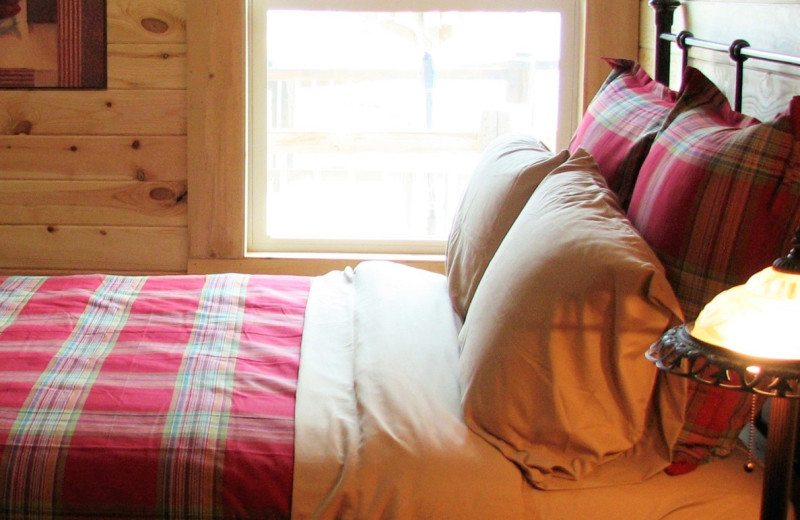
column 216, row 130
column 257, row 239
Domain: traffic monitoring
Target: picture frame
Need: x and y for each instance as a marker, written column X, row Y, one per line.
column 53, row 44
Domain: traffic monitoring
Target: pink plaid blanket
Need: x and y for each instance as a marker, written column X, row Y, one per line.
column 148, row 397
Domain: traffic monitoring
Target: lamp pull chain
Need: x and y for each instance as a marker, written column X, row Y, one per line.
column 750, row 465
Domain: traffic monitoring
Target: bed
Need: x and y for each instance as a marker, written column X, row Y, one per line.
column 513, row 387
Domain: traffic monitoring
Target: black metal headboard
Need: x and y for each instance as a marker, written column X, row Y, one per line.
column 738, row 50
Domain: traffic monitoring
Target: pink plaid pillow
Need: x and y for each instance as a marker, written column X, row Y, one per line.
column 621, row 122
column 718, row 198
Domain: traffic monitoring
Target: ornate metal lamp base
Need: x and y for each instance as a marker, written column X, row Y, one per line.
column 677, row 352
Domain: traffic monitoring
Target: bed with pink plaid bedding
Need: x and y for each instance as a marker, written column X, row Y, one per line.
column 148, row 397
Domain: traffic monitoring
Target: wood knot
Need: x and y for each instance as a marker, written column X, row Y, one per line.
column 52, row 229
column 73, row 148
column 136, row 144
column 162, row 194
column 103, row 232
column 154, row 25
column 141, row 175
column 23, row 127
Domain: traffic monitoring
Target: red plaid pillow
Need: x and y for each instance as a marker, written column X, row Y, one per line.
column 717, row 198
column 621, row 122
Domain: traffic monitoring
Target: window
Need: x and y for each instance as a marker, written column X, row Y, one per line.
column 366, row 122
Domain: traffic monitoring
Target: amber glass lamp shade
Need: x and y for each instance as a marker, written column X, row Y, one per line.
column 746, row 338
column 757, row 319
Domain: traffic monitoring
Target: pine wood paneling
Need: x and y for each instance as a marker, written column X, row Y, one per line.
column 216, row 139
column 147, row 21
column 147, row 158
column 115, row 203
column 96, row 180
column 143, row 66
column 84, row 164
column 612, row 29
column 111, row 112
column 92, row 248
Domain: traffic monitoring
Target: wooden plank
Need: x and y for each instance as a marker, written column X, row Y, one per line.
column 147, row 66
column 128, row 203
column 146, row 21
column 32, row 157
column 612, row 29
column 216, row 128
column 93, row 248
column 112, row 112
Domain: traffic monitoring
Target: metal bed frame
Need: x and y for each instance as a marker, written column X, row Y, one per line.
column 738, row 50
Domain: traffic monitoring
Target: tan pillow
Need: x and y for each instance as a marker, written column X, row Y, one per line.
column 553, row 368
column 509, row 171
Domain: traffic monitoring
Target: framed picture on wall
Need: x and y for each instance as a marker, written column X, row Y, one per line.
column 53, row 44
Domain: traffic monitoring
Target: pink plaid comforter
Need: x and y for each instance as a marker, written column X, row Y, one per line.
column 148, row 397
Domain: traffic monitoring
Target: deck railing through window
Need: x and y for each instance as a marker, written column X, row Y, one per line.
column 425, row 192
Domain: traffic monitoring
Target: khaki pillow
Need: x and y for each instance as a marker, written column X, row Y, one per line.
column 509, row 171
column 553, row 369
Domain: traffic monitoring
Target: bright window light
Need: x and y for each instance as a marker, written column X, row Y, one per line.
column 368, row 125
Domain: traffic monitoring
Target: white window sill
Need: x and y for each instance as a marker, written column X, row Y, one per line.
column 307, row 264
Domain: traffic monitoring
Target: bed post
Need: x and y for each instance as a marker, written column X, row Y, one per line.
column 665, row 10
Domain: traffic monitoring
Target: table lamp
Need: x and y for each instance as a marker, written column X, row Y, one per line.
column 747, row 339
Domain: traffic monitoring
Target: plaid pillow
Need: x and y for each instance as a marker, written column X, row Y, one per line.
column 714, row 418
column 620, row 123
column 718, row 198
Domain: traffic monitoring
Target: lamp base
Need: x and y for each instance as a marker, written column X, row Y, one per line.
column 679, row 353
column 780, row 458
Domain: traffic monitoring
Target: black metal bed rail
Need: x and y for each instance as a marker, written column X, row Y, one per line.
column 738, row 50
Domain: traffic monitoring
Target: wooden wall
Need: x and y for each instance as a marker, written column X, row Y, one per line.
column 772, row 25
column 96, row 180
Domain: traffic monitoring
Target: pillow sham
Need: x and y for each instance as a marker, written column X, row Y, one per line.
column 510, row 169
column 718, row 198
column 552, row 366
column 620, row 123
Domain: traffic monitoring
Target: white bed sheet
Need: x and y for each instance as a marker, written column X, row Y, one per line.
column 380, row 433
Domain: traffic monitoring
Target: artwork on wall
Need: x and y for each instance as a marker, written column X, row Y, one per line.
column 53, row 44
